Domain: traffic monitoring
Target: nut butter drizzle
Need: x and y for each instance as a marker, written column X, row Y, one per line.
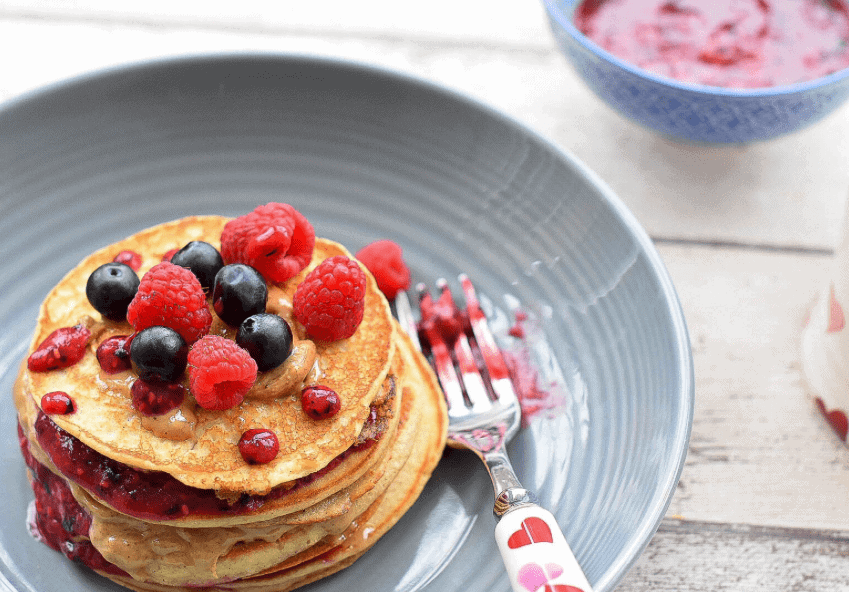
column 290, row 376
column 177, row 424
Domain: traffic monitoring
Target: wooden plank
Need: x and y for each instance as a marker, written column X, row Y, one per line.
column 501, row 23
column 760, row 453
column 787, row 192
column 689, row 556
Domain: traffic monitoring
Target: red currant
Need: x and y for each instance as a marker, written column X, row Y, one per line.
column 258, row 446
column 168, row 254
column 131, row 258
column 57, row 403
column 320, row 402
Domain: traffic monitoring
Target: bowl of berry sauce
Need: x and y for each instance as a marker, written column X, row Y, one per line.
column 715, row 71
column 575, row 291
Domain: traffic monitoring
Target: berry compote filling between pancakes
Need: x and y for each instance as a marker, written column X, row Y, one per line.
column 154, row 495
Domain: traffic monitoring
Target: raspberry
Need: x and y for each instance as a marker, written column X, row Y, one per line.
column 61, row 349
column 275, row 239
column 384, row 260
column 330, row 301
column 220, row 372
column 171, row 296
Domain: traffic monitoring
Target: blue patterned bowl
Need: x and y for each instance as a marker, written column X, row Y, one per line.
column 689, row 111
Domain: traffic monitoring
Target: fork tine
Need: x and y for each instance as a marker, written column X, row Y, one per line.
column 473, row 381
column 405, row 316
column 499, row 375
column 443, row 364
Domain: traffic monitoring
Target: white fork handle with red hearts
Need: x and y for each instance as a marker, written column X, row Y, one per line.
column 536, row 554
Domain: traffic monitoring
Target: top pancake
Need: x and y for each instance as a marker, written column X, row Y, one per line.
column 106, row 420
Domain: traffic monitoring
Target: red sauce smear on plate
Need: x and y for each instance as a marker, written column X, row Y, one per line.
column 727, row 43
column 442, row 318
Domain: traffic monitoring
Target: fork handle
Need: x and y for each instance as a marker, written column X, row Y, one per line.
column 536, row 554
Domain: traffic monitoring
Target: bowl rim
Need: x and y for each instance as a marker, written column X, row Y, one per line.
column 684, row 369
column 563, row 18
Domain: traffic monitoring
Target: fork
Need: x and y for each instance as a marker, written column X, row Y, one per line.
column 484, row 414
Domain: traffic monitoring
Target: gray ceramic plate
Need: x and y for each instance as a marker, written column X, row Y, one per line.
column 368, row 154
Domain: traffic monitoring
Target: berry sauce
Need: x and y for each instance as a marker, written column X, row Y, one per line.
column 113, row 354
column 61, row 349
column 442, row 316
column 155, row 398
column 728, row 43
column 60, row 522
column 151, row 495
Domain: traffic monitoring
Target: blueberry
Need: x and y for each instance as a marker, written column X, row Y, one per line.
column 267, row 337
column 202, row 259
column 110, row 289
column 239, row 292
column 159, row 353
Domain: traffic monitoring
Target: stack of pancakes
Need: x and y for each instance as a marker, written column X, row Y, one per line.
column 335, row 487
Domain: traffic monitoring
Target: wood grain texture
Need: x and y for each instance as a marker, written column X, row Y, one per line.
column 496, row 23
column 759, row 453
column 687, row 556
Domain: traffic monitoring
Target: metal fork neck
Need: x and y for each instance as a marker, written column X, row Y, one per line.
column 512, row 499
column 509, row 493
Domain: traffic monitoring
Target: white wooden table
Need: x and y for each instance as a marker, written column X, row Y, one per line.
column 747, row 233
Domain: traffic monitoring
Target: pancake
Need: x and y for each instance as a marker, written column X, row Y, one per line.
column 386, row 510
column 414, row 456
column 169, row 503
column 356, row 462
column 106, row 421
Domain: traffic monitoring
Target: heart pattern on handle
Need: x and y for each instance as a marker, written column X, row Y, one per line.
column 836, row 318
column 536, row 554
column 533, row 530
column 534, row 577
column 836, row 418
